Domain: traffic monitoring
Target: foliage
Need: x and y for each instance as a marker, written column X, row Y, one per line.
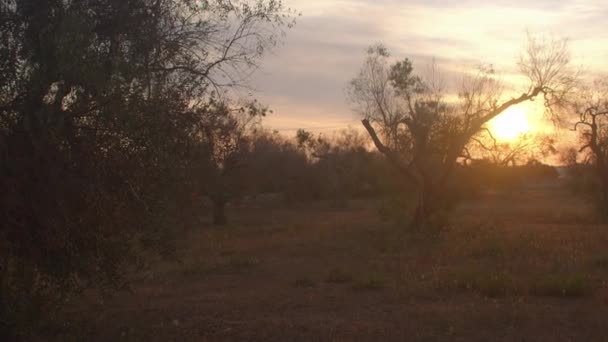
column 224, row 151
column 342, row 164
column 98, row 120
column 591, row 108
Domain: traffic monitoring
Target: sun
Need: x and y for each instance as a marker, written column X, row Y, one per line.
column 510, row 125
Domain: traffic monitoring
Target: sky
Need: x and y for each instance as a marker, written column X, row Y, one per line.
column 304, row 79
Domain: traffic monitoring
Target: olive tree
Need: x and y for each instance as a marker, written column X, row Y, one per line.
column 98, row 120
column 226, row 152
column 591, row 110
column 423, row 132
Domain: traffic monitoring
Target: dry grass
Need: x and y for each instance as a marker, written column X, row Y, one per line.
column 530, row 265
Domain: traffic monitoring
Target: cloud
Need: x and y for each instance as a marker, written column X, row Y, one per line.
column 304, row 79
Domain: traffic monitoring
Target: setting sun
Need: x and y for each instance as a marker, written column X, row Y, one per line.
column 510, row 125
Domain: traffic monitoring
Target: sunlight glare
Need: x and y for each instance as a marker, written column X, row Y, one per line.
column 510, row 125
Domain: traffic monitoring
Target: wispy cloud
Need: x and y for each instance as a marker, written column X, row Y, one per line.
column 304, row 80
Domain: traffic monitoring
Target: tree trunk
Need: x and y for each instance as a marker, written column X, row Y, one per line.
column 219, row 213
column 423, row 209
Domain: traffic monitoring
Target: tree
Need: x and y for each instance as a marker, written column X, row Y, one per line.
column 413, row 123
column 525, row 148
column 226, row 134
column 340, row 163
column 279, row 167
column 591, row 109
column 97, row 129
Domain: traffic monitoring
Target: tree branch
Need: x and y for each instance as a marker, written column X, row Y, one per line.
column 389, row 153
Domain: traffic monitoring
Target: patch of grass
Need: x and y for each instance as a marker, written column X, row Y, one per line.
column 492, row 285
column 487, row 252
column 373, row 282
column 199, row 267
column 338, row 276
column 496, row 285
column 304, row 282
column 561, row 285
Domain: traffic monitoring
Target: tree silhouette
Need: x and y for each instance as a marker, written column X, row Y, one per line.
column 412, row 122
column 97, row 126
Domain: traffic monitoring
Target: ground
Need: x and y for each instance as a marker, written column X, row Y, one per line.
column 526, row 265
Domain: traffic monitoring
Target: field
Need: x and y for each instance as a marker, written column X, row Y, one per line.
column 528, row 265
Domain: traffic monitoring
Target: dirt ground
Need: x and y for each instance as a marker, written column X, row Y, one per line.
column 529, row 265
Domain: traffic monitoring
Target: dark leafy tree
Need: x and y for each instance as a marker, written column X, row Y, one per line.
column 98, row 120
column 226, row 138
column 342, row 164
column 591, row 109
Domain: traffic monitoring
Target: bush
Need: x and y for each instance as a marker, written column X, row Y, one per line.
column 99, row 137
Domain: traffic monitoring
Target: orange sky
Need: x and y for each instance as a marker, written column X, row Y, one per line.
column 303, row 80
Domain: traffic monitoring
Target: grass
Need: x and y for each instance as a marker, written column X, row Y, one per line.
column 562, row 286
column 505, row 267
column 487, row 284
column 201, row 267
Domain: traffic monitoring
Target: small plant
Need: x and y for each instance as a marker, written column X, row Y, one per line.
column 338, row 276
column 492, row 285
